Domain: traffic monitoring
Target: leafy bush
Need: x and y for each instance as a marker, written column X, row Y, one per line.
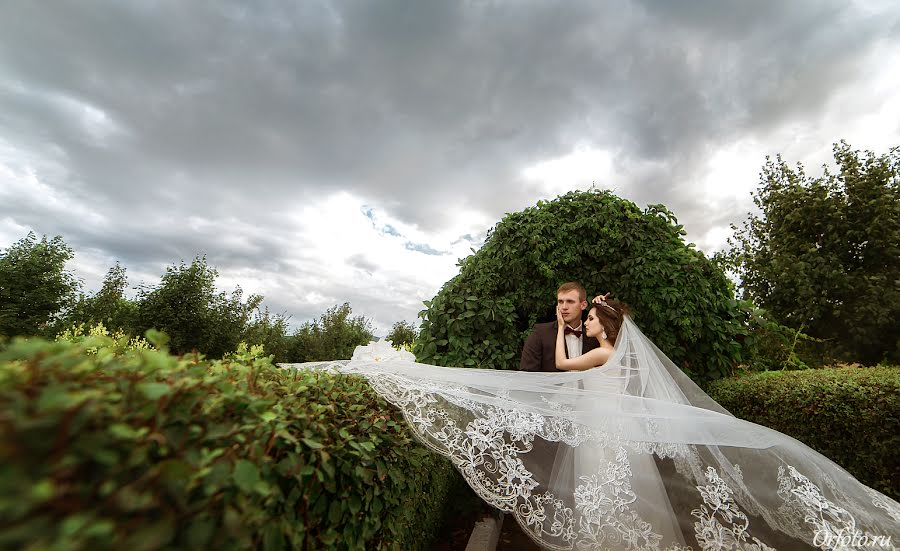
column 850, row 415
column 402, row 333
column 143, row 450
column 332, row 337
column 681, row 299
column 824, row 253
column 187, row 307
column 108, row 306
column 39, row 297
column 119, row 343
column 772, row 346
column 269, row 331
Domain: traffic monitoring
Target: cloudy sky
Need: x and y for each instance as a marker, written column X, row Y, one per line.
column 321, row 152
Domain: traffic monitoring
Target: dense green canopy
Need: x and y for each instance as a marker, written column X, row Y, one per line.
column 823, row 254
column 34, row 285
column 680, row 298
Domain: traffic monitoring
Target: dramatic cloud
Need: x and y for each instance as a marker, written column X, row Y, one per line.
column 322, row 152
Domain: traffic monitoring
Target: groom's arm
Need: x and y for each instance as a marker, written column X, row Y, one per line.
column 532, row 357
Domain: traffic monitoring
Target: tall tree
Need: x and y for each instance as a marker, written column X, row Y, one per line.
column 186, row 306
column 34, row 285
column 824, row 253
column 402, row 333
column 108, row 306
column 333, row 336
column 270, row 331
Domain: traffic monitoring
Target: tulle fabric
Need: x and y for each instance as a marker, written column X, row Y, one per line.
column 630, row 455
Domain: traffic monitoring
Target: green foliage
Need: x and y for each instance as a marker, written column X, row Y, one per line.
column 38, row 297
column 108, row 306
column 402, row 333
column 270, row 331
column 850, row 415
column 186, row 306
column 120, row 341
column 332, row 337
column 681, row 299
column 141, row 450
column 34, row 285
column 772, row 346
column 824, row 253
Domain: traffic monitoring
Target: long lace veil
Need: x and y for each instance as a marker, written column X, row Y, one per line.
column 630, row 455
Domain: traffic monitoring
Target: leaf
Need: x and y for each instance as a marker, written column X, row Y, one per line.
column 55, row 397
column 246, row 475
column 354, row 504
column 153, row 391
column 157, row 338
column 312, row 443
column 126, row 432
column 43, row 490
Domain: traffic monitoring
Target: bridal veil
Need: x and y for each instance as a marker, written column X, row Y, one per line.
column 631, row 455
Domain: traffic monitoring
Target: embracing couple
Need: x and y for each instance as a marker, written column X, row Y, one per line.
column 574, row 342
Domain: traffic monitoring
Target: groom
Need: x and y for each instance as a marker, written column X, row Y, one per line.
column 539, row 353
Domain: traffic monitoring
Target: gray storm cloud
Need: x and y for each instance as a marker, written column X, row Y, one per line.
column 148, row 116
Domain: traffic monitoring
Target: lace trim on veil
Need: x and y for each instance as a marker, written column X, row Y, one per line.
column 490, row 438
column 486, row 451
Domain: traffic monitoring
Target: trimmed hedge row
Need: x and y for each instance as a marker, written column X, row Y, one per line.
column 108, row 449
column 852, row 416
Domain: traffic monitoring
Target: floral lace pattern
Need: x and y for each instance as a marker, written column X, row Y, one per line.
column 720, row 524
column 486, row 442
column 604, row 503
column 834, row 527
column 878, row 500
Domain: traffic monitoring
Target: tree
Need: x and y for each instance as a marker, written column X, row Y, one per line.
column 823, row 254
column 108, row 306
column 402, row 333
column 333, row 336
column 34, row 285
column 270, row 331
column 107, row 303
column 681, row 299
column 186, row 306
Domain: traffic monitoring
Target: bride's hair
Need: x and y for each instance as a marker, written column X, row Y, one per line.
column 611, row 314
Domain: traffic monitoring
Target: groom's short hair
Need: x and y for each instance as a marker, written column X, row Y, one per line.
column 572, row 286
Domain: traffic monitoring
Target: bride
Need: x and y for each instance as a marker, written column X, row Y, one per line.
column 621, row 450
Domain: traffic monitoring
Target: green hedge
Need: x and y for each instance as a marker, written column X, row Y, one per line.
column 139, row 450
column 682, row 300
column 852, row 416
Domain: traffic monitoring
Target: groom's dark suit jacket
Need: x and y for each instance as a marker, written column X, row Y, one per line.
column 539, row 353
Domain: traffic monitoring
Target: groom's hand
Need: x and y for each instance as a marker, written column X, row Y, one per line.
column 599, row 299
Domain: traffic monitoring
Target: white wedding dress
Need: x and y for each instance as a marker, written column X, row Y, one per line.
column 630, row 455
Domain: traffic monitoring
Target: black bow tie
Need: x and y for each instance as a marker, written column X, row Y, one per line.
column 576, row 332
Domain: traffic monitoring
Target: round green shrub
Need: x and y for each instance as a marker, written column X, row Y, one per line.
column 140, row 450
column 681, row 299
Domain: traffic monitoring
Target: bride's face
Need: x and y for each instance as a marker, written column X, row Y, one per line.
column 592, row 325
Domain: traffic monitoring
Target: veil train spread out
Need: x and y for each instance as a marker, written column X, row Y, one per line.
column 630, row 455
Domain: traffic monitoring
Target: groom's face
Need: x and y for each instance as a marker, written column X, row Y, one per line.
column 570, row 306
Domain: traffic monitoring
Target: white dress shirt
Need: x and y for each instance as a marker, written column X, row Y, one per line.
column 573, row 343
